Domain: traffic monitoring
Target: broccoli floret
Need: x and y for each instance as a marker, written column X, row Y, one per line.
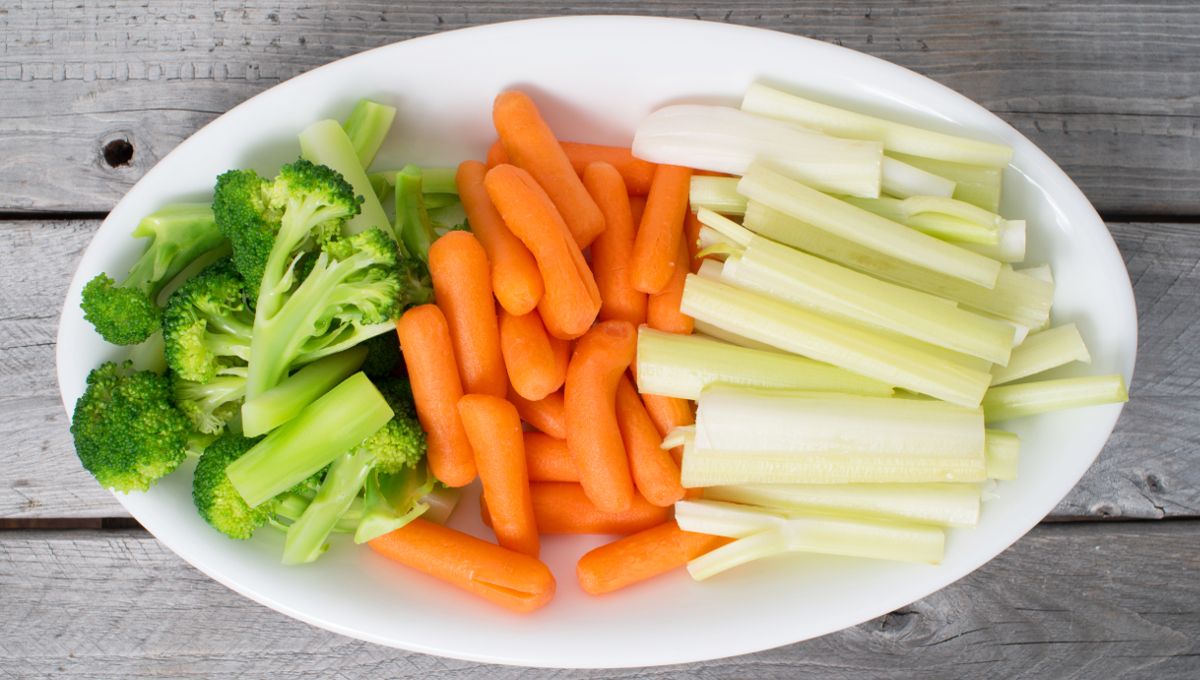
column 383, row 355
column 216, row 499
column 401, row 442
column 209, row 406
column 127, row 431
column 206, row 327
column 128, row 313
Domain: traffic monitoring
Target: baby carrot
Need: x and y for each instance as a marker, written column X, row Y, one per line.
column 508, row 578
column 516, row 280
column 655, row 473
column 463, row 289
column 531, row 355
column 532, row 146
column 548, row 415
column 600, row 358
column 436, row 387
column 571, row 300
column 563, row 508
column 549, row 459
column 637, row 173
column 613, row 248
column 637, row 207
column 691, row 236
column 494, row 429
column 661, row 228
column 663, row 308
column 668, row 413
column 642, row 556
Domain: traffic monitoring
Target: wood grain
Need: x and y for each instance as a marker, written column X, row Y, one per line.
column 1146, row 471
column 1107, row 89
column 1066, row 602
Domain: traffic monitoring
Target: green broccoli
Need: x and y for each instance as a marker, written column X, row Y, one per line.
column 383, row 355
column 127, row 431
column 211, row 405
column 207, row 328
column 128, row 313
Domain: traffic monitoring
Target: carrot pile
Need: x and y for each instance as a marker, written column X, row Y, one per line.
column 526, row 332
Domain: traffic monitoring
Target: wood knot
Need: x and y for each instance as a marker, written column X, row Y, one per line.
column 118, row 152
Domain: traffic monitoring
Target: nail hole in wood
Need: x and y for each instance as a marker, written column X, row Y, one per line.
column 118, row 152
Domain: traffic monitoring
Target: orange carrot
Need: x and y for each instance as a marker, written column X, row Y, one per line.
column 600, row 358
column 463, row 290
column 531, row 146
column 663, row 308
column 642, row 556
column 613, row 248
column 655, row 473
column 668, row 413
column 637, row 173
column 548, row 415
column 549, row 459
column 516, row 280
column 436, row 387
column 563, row 508
column 637, row 207
column 691, row 236
column 494, row 429
column 496, row 155
column 530, row 355
column 661, row 228
column 512, row 579
column 571, row 300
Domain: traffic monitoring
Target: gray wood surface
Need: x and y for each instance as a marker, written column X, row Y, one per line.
column 1068, row 601
column 1107, row 89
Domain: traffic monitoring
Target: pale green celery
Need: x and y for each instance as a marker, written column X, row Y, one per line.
column 864, row 228
column 813, row 283
column 1043, row 351
column 974, row 184
column 718, row 194
column 711, row 468
column 1016, row 297
column 795, row 330
column 678, row 436
column 1001, row 454
column 682, row 366
column 837, row 122
column 434, row 180
column 1011, row 247
column 733, row 419
column 709, row 238
column 946, row 227
column 1032, row 398
column 1041, row 272
column 366, row 127
column 325, row 143
column 903, row 180
column 331, row 425
column 945, row 504
column 710, row 268
column 731, row 231
column 714, row 331
column 281, row 403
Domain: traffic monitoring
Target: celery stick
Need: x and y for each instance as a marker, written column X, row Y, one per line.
column 366, row 127
column 1001, row 454
column 1043, row 351
column 866, row 229
column 683, row 366
column 709, row 238
column 1027, row 399
column 1016, row 297
column 811, row 282
column 718, row 194
column 730, row 230
column 1011, row 247
column 974, row 184
column 716, row 332
column 944, row 504
column 711, row 468
column 709, row 268
column 837, row 122
column 731, row 419
column 281, row 403
column 903, row 180
column 794, row 330
column 947, row 226
column 325, row 143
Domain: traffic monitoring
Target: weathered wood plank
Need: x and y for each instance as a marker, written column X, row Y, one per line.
column 1147, row 470
column 1066, row 602
column 1107, row 89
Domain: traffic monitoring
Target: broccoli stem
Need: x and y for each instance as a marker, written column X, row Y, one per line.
column 346, row 476
column 335, row 423
column 366, row 127
column 416, row 230
column 179, row 233
column 282, row 402
column 325, row 143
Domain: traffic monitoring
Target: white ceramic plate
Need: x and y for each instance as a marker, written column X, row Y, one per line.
column 594, row 79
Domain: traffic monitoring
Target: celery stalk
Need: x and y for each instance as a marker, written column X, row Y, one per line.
column 1027, row 399
column 940, row 504
column 718, row 194
column 683, row 366
column 325, row 143
column 795, row 330
column 713, row 331
column 864, row 228
column 1011, row 247
column 837, row 122
column 1001, row 454
column 974, row 184
column 903, row 180
column 1015, row 296
column 1043, row 351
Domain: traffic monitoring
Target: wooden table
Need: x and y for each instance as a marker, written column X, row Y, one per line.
column 1110, row 90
